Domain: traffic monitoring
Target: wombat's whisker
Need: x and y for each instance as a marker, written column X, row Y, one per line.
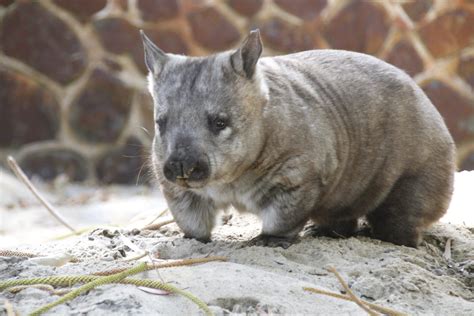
column 145, row 130
column 140, row 172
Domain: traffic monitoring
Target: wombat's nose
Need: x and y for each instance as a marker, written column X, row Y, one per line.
column 187, row 169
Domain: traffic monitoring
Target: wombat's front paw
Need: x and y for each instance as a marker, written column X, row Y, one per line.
column 272, row 241
column 318, row 231
column 204, row 240
column 337, row 231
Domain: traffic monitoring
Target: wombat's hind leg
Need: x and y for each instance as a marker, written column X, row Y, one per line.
column 279, row 229
column 414, row 202
column 334, row 229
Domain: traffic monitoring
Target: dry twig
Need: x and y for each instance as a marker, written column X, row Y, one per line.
column 158, row 216
column 178, row 263
column 354, row 298
column 138, row 257
column 378, row 308
column 22, row 176
column 158, row 225
column 9, row 308
column 78, row 231
column 43, row 287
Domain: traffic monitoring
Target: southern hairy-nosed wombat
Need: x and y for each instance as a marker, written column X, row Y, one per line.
column 326, row 135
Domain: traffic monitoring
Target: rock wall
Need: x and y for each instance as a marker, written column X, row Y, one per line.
column 72, row 96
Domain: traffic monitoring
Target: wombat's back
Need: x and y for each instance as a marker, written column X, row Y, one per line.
column 373, row 120
column 373, row 104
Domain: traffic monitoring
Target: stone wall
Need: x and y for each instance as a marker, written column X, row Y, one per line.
column 72, row 96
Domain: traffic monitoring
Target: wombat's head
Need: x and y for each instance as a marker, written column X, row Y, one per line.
column 207, row 112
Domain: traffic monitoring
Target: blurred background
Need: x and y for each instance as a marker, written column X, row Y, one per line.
column 72, row 77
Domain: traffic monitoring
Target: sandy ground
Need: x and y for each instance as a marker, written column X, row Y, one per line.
column 254, row 280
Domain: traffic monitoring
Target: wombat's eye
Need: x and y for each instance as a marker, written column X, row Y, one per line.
column 217, row 124
column 161, row 121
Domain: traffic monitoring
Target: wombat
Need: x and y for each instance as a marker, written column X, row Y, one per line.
column 330, row 136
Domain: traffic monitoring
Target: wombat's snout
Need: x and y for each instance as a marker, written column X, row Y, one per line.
column 182, row 167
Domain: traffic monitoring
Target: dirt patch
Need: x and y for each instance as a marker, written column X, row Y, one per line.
column 255, row 280
column 260, row 280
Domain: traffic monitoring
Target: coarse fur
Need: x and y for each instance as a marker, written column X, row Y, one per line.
column 327, row 135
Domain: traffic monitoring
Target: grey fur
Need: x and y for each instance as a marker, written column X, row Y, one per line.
column 326, row 135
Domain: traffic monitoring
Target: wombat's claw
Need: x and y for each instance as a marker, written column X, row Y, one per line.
column 313, row 231
column 272, row 241
column 317, row 231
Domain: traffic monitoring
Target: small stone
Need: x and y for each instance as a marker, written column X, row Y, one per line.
column 157, row 10
column 466, row 69
column 49, row 163
column 212, row 30
column 457, row 110
column 456, row 28
column 305, row 9
column 28, row 111
column 468, row 162
column 100, row 112
column 44, row 42
column 409, row 286
column 123, row 165
column 280, row 35
column 122, row 252
column 416, row 10
column 134, row 232
column 369, row 287
column 107, row 233
column 107, row 257
column 361, row 26
column 404, row 56
column 246, row 7
column 82, row 9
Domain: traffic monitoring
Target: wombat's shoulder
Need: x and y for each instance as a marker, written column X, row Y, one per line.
column 328, row 56
column 351, row 74
column 334, row 61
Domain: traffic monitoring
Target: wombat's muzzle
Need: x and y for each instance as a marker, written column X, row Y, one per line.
column 182, row 167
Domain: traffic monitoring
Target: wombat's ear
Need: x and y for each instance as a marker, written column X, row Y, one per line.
column 155, row 58
column 244, row 59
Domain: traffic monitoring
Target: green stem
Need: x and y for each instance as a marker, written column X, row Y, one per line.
column 89, row 286
column 69, row 280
